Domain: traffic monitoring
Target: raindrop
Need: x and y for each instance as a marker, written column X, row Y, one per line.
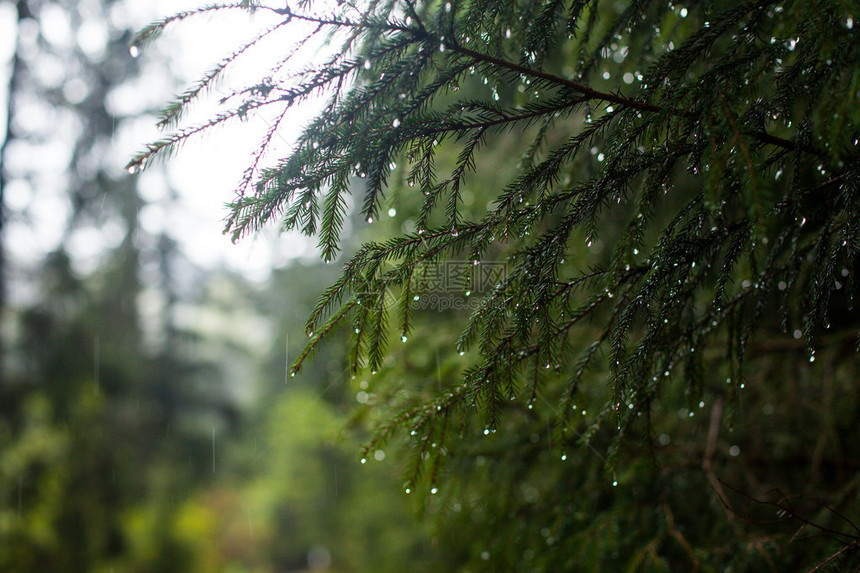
column 409, row 20
column 366, row 64
column 442, row 47
column 132, row 169
column 364, row 460
column 508, row 33
column 370, row 219
column 563, row 457
column 462, row 352
column 403, row 338
column 683, row 13
column 395, row 123
column 434, row 490
column 849, row 22
column 447, row 6
column 135, row 51
column 392, row 212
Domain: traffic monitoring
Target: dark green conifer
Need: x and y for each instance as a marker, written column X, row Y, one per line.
column 681, row 219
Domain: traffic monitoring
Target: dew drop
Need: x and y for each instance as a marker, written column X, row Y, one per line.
column 434, row 491
column 403, row 338
column 370, row 219
column 392, row 212
column 366, row 64
column 135, row 51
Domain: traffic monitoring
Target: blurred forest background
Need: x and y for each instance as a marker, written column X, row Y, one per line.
column 149, row 422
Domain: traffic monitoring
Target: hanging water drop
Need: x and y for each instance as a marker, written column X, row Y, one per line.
column 134, row 51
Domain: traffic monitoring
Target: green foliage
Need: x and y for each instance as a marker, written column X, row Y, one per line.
column 683, row 207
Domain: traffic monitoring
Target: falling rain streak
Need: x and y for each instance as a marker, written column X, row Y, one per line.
column 96, row 361
column 213, row 449
column 287, row 358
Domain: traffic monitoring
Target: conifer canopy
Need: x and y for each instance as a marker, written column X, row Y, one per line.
column 671, row 191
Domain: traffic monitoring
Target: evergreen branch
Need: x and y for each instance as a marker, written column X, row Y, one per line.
column 583, row 89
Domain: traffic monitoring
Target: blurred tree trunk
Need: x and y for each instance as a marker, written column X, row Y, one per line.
column 23, row 12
